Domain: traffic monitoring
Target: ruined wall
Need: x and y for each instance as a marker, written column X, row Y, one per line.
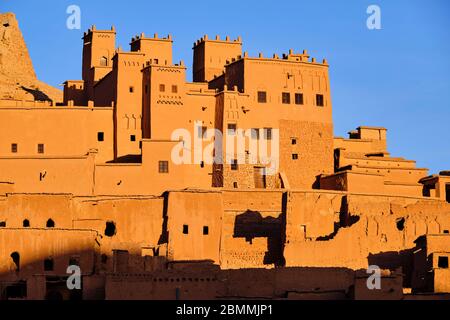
column 131, row 224
column 253, row 227
column 319, row 231
column 371, row 230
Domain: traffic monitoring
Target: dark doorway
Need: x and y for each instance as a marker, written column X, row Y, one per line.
column 15, row 291
column 50, row 223
column 48, row 264
column 57, row 290
column 447, row 192
column 110, row 229
column 260, row 178
column 15, row 256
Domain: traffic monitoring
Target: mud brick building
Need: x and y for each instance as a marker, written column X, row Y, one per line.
column 92, row 177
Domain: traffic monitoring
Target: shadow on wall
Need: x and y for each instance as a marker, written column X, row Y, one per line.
column 130, row 158
column 393, row 260
column 37, row 94
column 46, row 277
column 251, row 224
column 346, row 220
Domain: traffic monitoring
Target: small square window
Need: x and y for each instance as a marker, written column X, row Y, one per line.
column 231, row 129
column 162, row 88
column 131, row 89
column 235, row 185
column 255, row 133
column 299, row 98
column 48, row 264
column 163, row 167
column 262, row 97
column 205, row 230
column 14, row 147
column 294, row 156
column 100, row 136
column 294, row 141
column 319, row 100
column 268, row 133
column 443, row 262
column 132, row 137
column 40, row 148
column 446, row 231
column 234, row 165
column 185, row 229
column 286, row 98
column 174, row 89
column 74, row 261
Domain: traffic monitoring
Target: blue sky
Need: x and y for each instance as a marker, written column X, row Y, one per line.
column 397, row 77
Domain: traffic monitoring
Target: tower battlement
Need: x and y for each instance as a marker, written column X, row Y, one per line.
column 142, row 36
column 217, row 39
column 291, row 57
column 93, row 29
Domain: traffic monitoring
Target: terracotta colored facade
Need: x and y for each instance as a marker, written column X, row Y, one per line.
column 103, row 190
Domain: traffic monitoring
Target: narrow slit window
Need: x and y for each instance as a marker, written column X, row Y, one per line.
column 299, row 98
column 268, row 133
column 48, row 264
column 319, row 100
column 234, row 165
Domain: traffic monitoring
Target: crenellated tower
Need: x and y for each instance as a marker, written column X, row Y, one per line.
column 211, row 56
column 98, row 51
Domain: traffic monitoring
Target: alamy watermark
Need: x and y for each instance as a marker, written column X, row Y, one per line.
column 73, row 22
column 74, row 280
column 237, row 146
column 374, row 280
column 373, row 22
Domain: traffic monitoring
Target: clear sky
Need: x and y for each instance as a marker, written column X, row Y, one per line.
column 397, row 77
